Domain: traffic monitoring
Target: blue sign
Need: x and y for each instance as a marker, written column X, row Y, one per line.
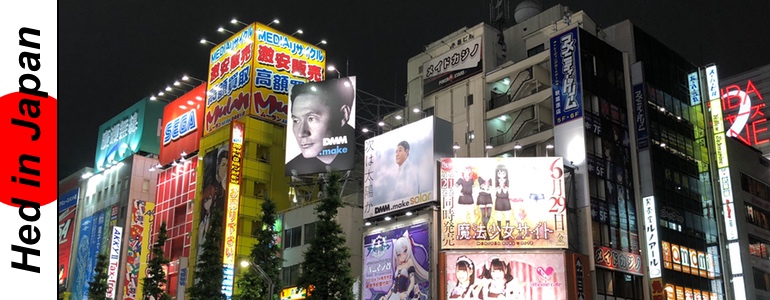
column 94, row 247
column 640, row 117
column 68, row 199
column 565, row 76
column 79, row 284
column 694, row 85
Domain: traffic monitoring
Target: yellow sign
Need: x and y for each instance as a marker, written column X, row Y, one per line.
column 294, row 293
column 233, row 193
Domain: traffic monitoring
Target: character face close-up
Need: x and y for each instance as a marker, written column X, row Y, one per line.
column 401, row 255
column 222, row 169
column 311, row 119
column 462, row 275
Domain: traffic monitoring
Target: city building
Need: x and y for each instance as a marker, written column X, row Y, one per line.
column 116, row 202
column 177, row 178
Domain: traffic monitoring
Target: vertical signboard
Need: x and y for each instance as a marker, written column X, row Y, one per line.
column 565, row 76
column 393, row 258
column 67, row 210
column 231, row 212
column 112, row 270
column 506, row 275
column 693, row 82
column 137, row 247
column 182, row 122
column 95, row 246
column 321, row 133
column 82, row 260
column 654, row 260
column 453, row 66
column 640, row 117
column 281, row 61
column 400, row 166
column 503, row 203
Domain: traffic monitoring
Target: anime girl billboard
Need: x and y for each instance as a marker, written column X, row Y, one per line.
column 396, row 264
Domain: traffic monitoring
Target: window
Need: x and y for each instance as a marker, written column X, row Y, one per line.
column 146, row 186
column 535, row 50
column 290, row 275
column 469, row 100
column 310, row 232
column 293, row 237
column 256, row 225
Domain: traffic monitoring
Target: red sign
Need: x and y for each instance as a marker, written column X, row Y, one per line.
column 743, row 111
column 66, row 228
column 181, row 127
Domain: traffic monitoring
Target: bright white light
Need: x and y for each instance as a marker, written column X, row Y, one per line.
column 409, row 213
column 506, row 81
column 185, row 76
column 331, row 68
column 176, row 83
column 199, row 98
column 161, row 93
column 549, row 146
column 86, row 175
column 368, row 224
column 398, row 117
column 416, row 110
column 503, row 118
column 153, row 97
column 488, row 146
column 244, row 263
column 312, row 88
column 190, row 102
column 365, row 130
column 381, row 123
column 387, row 218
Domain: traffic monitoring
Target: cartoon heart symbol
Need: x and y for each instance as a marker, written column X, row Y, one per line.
column 545, row 273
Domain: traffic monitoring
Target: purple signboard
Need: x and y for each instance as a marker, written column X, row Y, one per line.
column 565, row 76
column 394, row 256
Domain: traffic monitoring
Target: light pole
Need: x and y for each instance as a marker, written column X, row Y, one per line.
column 262, row 273
column 332, row 68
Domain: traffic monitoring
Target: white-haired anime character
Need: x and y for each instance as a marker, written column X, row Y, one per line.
column 408, row 272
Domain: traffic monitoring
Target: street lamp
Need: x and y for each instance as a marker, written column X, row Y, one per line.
column 321, row 42
column 298, row 31
column 262, row 274
column 486, row 149
column 516, row 149
column 455, row 147
column 332, row 68
column 548, row 147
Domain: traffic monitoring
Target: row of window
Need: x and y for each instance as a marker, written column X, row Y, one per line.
column 293, row 237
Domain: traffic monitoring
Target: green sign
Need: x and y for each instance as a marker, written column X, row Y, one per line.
column 133, row 130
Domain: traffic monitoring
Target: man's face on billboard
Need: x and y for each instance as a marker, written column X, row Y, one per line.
column 401, row 155
column 312, row 122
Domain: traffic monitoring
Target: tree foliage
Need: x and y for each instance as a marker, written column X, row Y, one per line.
column 207, row 283
column 155, row 281
column 266, row 254
column 97, row 289
column 326, row 265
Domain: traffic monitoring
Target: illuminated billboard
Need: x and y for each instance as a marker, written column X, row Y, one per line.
column 181, row 125
column 565, row 77
column 459, row 63
column 652, row 236
column 251, row 72
column 138, row 247
column 233, row 180
column 82, row 262
column 618, row 260
column 743, row 108
column 133, row 130
column 116, row 238
column 522, row 275
column 67, row 210
column 213, row 195
column 321, row 133
column 400, row 166
column 394, row 257
column 503, row 203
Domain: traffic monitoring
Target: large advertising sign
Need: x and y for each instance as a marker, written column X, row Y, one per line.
column 321, row 133
column 506, row 275
column 400, row 166
column 138, row 247
column 233, row 198
column 503, row 203
column 213, row 195
column 67, row 209
column 132, row 130
column 565, row 76
column 392, row 259
column 112, row 270
column 257, row 63
column 95, row 246
column 182, row 122
column 745, row 114
column 82, row 262
column 457, row 64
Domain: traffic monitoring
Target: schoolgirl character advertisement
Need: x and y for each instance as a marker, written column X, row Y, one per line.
column 396, row 264
column 503, row 203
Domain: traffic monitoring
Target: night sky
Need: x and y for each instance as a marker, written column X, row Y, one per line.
column 114, row 53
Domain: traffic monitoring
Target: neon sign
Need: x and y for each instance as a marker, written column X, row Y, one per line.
column 748, row 124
